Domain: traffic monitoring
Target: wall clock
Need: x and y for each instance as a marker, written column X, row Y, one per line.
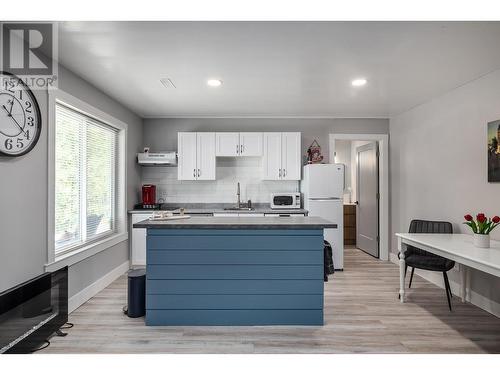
column 20, row 120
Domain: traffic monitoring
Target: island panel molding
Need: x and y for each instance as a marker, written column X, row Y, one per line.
column 234, row 276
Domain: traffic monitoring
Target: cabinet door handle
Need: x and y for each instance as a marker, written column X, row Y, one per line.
column 199, row 172
column 279, row 173
column 284, row 172
column 241, row 149
column 237, row 149
column 194, row 172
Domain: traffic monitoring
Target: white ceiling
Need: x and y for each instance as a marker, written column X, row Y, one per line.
column 278, row 68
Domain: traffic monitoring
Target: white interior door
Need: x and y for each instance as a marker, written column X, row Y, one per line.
column 251, row 144
column 186, row 146
column 271, row 160
column 205, row 156
column 227, row 144
column 367, row 195
column 291, row 154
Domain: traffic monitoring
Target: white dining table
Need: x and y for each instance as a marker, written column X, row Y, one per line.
column 457, row 247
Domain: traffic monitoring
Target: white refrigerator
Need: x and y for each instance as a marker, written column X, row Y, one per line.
column 323, row 191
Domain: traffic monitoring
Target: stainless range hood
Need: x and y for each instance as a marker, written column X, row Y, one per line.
column 165, row 159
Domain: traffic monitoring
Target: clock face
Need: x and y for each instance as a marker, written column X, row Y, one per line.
column 20, row 121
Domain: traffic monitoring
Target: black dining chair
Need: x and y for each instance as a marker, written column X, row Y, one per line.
column 421, row 259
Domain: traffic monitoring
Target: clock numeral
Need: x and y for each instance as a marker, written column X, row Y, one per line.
column 28, row 106
column 9, row 85
column 30, row 121
column 8, row 144
column 20, row 94
column 20, row 143
column 27, row 132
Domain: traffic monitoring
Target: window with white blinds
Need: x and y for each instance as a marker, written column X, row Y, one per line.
column 85, row 179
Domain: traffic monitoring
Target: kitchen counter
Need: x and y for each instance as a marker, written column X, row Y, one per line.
column 306, row 222
column 210, row 271
column 211, row 208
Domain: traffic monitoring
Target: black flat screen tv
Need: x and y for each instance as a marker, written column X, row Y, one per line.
column 33, row 311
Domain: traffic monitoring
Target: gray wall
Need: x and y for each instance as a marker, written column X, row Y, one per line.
column 343, row 155
column 439, row 166
column 23, row 198
column 23, row 210
column 161, row 134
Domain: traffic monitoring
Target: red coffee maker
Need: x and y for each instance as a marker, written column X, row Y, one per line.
column 148, row 195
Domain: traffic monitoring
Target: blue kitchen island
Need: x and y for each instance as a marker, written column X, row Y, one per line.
column 235, row 271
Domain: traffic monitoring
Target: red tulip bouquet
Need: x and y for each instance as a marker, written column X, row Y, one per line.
column 482, row 227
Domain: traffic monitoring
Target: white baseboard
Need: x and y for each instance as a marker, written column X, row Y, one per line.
column 485, row 303
column 85, row 294
column 394, row 258
column 474, row 298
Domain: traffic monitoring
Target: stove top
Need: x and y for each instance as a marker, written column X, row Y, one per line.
column 156, row 206
column 142, row 206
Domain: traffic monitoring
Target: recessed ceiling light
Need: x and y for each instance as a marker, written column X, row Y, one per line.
column 359, row 82
column 214, row 82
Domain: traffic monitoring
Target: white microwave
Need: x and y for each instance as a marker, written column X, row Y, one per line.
column 285, row 200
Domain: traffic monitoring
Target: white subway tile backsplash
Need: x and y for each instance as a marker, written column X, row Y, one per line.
column 223, row 190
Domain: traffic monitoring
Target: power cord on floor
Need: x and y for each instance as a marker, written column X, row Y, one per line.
column 47, row 344
column 66, row 325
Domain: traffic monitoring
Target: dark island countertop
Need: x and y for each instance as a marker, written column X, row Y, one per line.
column 306, row 222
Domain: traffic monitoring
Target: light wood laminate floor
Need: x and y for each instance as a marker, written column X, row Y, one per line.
column 362, row 315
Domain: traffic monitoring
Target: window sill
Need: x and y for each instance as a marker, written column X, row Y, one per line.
column 85, row 252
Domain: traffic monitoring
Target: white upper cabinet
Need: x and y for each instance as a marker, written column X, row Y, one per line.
column 271, row 162
column 205, row 156
column 281, row 153
column 290, row 156
column 227, row 144
column 282, row 156
column 251, row 144
column 238, row 144
column 196, row 156
column 186, row 149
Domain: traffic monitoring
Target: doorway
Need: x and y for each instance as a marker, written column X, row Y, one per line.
column 366, row 203
column 367, row 198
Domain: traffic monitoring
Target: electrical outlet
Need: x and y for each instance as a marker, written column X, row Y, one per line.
column 162, row 194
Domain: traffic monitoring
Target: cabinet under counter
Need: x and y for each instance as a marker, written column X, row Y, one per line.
column 349, row 224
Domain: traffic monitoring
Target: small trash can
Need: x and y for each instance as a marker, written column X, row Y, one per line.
column 136, row 293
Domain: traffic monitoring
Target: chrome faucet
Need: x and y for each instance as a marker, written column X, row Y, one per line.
column 238, row 195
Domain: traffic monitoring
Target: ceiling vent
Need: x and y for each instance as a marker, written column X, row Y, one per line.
column 167, row 82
